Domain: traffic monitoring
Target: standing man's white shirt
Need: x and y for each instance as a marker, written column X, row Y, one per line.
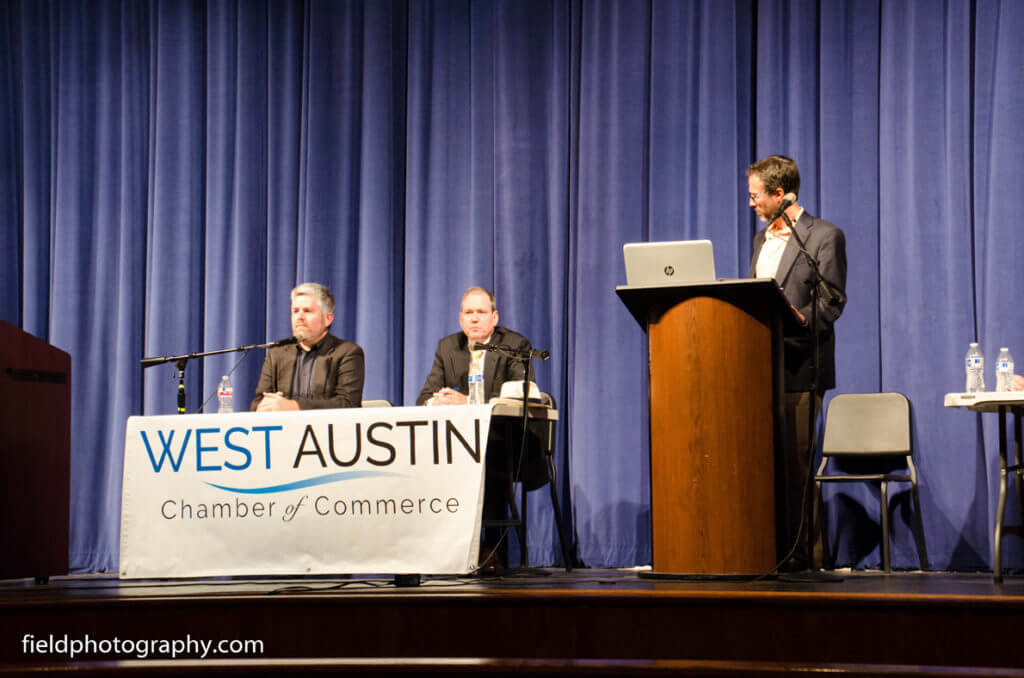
column 771, row 251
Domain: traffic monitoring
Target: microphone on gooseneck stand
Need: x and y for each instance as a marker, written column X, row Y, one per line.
column 831, row 294
column 521, row 353
column 787, row 200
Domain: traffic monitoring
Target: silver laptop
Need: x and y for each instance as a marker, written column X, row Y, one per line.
column 669, row 263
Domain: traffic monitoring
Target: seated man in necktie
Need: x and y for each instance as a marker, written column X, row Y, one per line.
column 448, row 381
column 448, row 384
column 320, row 371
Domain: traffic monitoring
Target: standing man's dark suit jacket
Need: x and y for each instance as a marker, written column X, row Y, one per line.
column 451, row 365
column 826, row 243
column 337, row 374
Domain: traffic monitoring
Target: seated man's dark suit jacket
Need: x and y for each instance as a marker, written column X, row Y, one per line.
column 451, row 369
column 827, row 244
column 338, row 374
column 451, row 365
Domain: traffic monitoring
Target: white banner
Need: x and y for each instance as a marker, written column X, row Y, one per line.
column 376, row 490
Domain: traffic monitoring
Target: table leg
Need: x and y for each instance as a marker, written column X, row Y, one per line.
column 1017, row 462
column 997, row 565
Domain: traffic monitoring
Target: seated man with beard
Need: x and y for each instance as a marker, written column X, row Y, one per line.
column 321, row 371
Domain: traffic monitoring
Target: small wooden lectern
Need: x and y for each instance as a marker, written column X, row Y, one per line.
column 35, row 459
column 716, row 412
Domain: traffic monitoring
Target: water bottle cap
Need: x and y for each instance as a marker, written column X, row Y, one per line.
column 973, row 344
column 1005, row 349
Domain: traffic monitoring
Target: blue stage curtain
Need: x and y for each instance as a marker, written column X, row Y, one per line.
column 928, row 302
column 487, row 189
column 996, row 137
column 12, row 182
column 170, row 169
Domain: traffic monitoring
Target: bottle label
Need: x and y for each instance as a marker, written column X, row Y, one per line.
column 225, row 392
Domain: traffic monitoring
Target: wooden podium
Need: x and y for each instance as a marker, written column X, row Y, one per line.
column 716, row 413
column 35, row 463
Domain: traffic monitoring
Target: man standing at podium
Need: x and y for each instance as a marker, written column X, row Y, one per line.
column 320, row 371
column 777, row 255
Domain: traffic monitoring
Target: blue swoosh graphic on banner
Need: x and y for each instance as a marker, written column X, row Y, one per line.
column 309, row 482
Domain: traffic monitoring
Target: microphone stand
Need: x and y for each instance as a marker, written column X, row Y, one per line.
column 181, row 361
column 821, row 288
column 527, row 356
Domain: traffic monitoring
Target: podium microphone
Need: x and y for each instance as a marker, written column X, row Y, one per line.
column 787, row 201
column 285, row 342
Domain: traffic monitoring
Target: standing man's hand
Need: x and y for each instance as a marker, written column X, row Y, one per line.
column 276, row 402
column 803, row 320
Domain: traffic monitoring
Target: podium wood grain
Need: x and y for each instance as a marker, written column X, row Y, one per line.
column 712, row 445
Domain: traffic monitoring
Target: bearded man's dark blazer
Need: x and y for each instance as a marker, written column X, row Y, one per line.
column 338, row 374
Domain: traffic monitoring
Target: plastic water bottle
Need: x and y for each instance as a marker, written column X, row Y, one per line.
column 225, row 394
column 975, row 364
column 1004, row 370
column 476, row 389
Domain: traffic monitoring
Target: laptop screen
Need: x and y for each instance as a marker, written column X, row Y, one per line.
column 669, row 263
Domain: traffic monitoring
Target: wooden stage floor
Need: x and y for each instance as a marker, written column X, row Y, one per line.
column 586, row 622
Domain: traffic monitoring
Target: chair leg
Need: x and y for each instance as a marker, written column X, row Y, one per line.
column 822, row 528
column 553, row 485
column 1017, row 452
column 523, row 548
column 828, row 555
column 885, row 525
column 919, row 528
column 922, row 552
column 518, row 522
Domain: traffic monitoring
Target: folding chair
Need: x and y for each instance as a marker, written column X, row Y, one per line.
column 872, row 430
